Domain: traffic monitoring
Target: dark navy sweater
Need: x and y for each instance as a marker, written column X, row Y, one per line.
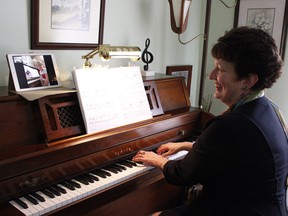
column 241, row 159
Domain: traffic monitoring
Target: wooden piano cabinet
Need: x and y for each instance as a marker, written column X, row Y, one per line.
column 17, row 125
column 37, row 150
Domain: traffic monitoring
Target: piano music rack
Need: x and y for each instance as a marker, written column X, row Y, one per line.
column 59, row 116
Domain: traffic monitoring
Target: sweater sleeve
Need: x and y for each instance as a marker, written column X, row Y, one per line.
column 210, row 155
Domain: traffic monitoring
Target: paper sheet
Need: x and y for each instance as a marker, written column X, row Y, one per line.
column 111, row 97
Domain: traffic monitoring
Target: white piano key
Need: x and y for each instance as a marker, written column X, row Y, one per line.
column 178, row 155
column 65, row 198
column 69, row 195
column 85, row 191
column 59, row 201
column 27, row 212
column 93, row 187
column 101, row 184
column 77, row 194
column 44, row 206
column 50, row 202
column 114, row 178
column 109, row 179
column 31, row 207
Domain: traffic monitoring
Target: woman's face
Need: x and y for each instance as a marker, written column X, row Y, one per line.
column 228, row 88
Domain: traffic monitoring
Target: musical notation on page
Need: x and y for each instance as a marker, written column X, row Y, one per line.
column 111, row 98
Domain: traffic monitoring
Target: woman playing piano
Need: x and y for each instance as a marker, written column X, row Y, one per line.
column 241, row 158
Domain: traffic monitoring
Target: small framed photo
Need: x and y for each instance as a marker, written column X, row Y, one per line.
column 73, row 24
column 270, row 16
column 181, row 70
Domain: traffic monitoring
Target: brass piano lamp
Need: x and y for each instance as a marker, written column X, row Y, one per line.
column 106, row 52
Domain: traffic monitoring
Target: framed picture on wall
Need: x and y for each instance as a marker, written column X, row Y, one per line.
column 270, row 16
column 181, row 70
column 73, row 24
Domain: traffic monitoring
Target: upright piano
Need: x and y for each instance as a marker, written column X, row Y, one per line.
column 51, row 165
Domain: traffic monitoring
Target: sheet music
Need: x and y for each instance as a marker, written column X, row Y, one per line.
column 111, row 97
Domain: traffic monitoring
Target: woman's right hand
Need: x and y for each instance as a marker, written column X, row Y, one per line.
column 172, row 148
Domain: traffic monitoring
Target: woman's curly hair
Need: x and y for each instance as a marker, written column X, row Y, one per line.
column 252, row 51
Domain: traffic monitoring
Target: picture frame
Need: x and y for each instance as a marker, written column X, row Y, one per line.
column 67, row 24
column 182, row 70
column 270, row 16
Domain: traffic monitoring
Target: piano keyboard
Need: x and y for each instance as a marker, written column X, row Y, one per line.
column 56, row 196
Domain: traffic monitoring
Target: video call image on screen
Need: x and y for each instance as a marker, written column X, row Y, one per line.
column 35, row 71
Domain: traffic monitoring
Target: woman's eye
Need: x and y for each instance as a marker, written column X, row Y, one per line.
column 220, row 70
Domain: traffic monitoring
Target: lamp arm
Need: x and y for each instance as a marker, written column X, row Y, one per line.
column 88, row 56
column 227, row 6
column 91, row 54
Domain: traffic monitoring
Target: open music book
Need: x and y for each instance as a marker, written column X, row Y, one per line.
column 111, row 98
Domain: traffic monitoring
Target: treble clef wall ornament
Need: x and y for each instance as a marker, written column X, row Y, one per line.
column 147, row 57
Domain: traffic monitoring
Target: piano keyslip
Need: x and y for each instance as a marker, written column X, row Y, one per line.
column 99, row 180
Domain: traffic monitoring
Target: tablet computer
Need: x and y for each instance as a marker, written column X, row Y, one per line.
column 33, row 71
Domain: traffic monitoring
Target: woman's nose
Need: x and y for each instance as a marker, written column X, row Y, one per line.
column 212, row 75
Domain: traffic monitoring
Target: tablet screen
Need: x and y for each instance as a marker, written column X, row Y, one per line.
column 33, row 71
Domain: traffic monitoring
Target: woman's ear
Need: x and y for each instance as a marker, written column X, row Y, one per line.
column 250, row 80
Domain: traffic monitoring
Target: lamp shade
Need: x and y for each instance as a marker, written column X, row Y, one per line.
column 106, row 52
column 179, row 12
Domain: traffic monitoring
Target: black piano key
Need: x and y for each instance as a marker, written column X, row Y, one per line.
column 38, row 197
column 82, row 180
column 68, row 186
column 131, row 162
column 31, row 199
column 48, row 193
column 125, row 163
column 99, row 173
column 116, row 167
column 87, row 178
column 120, row 166
column 75, row 184
column 105, row 172
column 21, row 203
column 93, row 177
column 111, row 169
column 54, row 191
column 60, row 189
